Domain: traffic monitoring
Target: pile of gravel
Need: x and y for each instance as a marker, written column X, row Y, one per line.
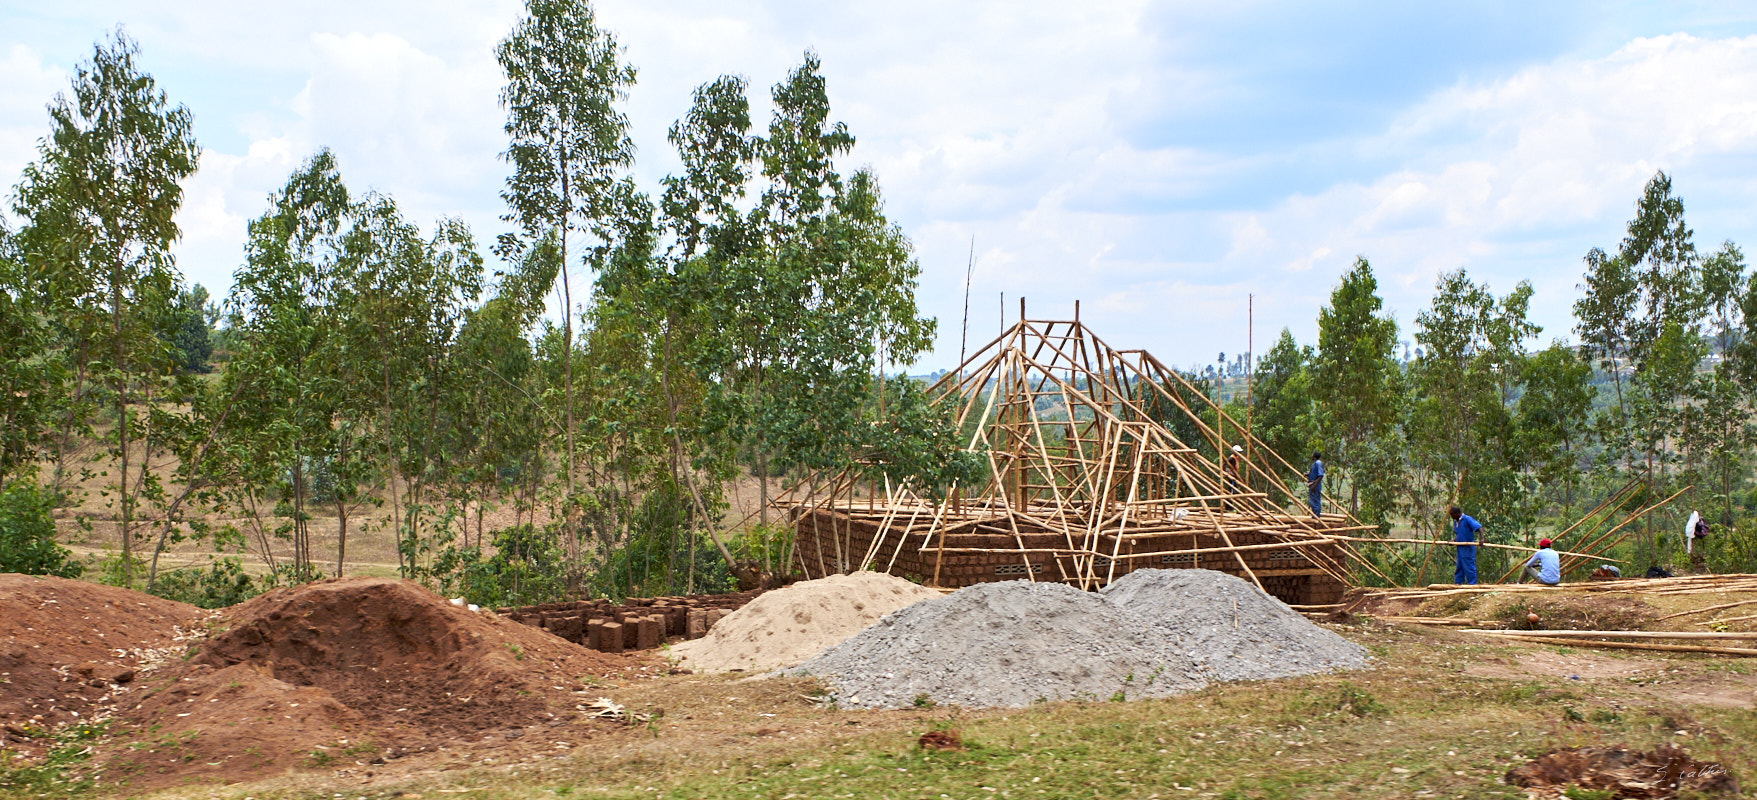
column 1003, row 644
column 1234, row 631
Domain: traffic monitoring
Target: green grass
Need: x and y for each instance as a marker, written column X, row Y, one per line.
column 1417, row 726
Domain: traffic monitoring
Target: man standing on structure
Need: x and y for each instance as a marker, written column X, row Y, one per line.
column 1232, row 475
column 1464, row 530
column 1315, row 484
column 1544, row 566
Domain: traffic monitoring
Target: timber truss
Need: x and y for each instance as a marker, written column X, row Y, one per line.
column 1099, row 460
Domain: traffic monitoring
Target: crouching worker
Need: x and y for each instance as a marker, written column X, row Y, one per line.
column 1544, row 566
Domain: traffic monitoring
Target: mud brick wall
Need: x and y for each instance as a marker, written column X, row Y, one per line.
column 638, row 623
column 827, row 543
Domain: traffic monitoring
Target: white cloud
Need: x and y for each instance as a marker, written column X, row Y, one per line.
column 1025, row 124
column 27, row 85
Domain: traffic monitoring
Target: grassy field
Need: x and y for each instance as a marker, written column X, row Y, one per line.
column 1441, row 715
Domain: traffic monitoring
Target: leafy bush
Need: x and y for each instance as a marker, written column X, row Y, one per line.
column 527, row 568
column 27, row 534
column 223, row 583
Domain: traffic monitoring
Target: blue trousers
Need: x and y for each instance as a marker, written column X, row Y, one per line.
column 1466, row 571
column 1317, row 500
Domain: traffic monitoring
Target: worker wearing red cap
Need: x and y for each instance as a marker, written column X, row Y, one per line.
column 1544, row 566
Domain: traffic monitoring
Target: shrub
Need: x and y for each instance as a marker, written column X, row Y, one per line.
column 27, row 534
column 223, row 583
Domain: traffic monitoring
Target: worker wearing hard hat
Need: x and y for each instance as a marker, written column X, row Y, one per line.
column 1544, row 566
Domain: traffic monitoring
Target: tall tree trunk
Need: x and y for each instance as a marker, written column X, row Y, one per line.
column 390, row 463
column 567, row 507
column 301, row 550
column 762, row 465
column 341, row 512
column 79, row 389
column 121, row 383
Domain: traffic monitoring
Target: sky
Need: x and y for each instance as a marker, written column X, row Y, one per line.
column 1167, row 164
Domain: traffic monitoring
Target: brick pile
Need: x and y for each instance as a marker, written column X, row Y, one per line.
column 639, row 623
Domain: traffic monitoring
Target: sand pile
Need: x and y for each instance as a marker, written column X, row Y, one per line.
column 349, row 670
column 1003, row 644
column 70, row 650
column 786, row 626
column 1231, row 629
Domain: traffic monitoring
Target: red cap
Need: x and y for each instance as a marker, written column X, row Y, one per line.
column 1543, row 543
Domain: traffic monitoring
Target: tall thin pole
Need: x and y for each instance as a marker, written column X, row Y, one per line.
column 964, row 334
column 1250, row 365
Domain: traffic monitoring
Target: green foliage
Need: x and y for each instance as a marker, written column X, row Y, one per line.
column 27, row 534
column 55, row 774
column 1356, row 382
column 99, row 207
column 190, row 332
column 33, row 376
column 1358, row 701
column 224, row 583
column 527, row 567
column 1285, row 416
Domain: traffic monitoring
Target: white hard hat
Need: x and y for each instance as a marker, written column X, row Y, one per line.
column 1238, row 449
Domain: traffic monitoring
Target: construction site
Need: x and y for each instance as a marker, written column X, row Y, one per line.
column 1088, row 482
column 1135, row 558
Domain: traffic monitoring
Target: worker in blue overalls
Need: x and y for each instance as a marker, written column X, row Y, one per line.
column 1315, row 484
column 1465, row 529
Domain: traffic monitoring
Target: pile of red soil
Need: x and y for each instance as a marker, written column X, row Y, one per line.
column 70, row 651
column 348, row 671
column 1665, row 772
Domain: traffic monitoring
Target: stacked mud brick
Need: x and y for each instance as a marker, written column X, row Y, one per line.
column 639, row 623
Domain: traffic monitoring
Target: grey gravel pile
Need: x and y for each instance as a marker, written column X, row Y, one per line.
column 1233, row 631
column 1151, row 634
column 1002, row 644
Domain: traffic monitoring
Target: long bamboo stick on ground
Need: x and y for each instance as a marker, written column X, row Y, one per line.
column 1617, row 634
column 1674, row 648
column 1702, row 610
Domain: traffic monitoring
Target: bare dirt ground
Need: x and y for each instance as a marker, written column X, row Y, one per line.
column 376, row 688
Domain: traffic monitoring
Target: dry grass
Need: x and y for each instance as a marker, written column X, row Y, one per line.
column 1421, row 724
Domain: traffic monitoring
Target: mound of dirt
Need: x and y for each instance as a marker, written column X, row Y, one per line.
column 783, row 627
column 1003, row 644
column 70, row 651
column 343, row 670
column 1231, row 629
column 1622, row 772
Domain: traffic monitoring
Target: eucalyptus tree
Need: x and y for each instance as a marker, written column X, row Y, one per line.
column 568, row 144
column 1461, row 432
column 831, row 282
column 1659, row 250
column 33, row 376
column 286, row 307
column 1553, row 417
column 99, row 207
column 412, row 294
column 1284, row 414
column 1606, row 321
column 1356, row 379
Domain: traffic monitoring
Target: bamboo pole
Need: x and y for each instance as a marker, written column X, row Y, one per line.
column 1673, row 648
column 1570, row 634
column 1704, row 610
column 1448, row 543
